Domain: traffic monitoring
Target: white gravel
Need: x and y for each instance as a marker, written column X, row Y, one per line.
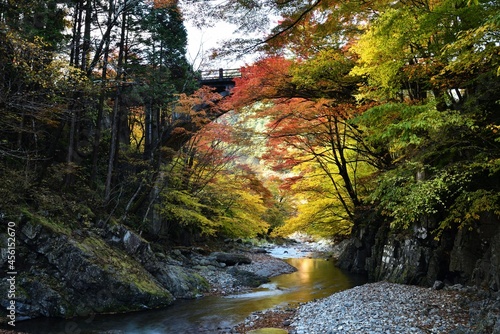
column 384, row 308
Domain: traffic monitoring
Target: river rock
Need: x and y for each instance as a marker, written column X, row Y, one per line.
column 438, row 285
column 180, row 281
column 230, row 259
column 382, row 307
column 247, row 278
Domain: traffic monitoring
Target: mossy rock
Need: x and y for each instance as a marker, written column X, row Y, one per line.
column 68, row 277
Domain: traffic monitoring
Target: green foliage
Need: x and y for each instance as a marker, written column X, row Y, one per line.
column 210, row 192
column 186, row 210
column 440, row 59
column 408, row 200
column 326, row 74
column 382, row 52
column 222, row 208
column 317, row 201
column 468, row 208
column 430, row 46
column 319, row 217
column 401, row 129
column 37, row 19
column 244, row 216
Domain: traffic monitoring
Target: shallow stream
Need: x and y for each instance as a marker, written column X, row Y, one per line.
column 315, row 278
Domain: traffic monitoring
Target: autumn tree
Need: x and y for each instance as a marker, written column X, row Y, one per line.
column 168, row 72
column 409, row 52
column 36, row 91
column 78, row 77
column 437, row 60
column 310, row 104
column 208, row 190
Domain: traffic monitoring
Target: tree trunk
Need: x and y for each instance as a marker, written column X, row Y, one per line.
column 102, row 97
column 86, row 35
column 114, row 145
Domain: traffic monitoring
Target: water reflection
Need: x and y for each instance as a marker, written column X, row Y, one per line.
column 315, row 278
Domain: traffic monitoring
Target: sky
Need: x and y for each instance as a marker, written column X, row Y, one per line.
column 200, row 41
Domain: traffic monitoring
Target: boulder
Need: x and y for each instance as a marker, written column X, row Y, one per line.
column 247, row 278
column 230, row 259
column 438, row 285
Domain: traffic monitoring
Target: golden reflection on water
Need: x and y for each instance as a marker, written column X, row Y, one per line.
column 315, row 278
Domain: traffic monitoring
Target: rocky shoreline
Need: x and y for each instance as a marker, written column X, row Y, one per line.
column 387, row 308
column 254, row 268
column 384, row 307
column 371, row 308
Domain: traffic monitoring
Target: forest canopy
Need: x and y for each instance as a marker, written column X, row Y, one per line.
column 350, row 106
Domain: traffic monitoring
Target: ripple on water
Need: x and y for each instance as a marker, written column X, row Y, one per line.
column 265, row 290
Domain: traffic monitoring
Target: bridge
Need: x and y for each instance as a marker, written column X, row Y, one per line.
column 222, row 79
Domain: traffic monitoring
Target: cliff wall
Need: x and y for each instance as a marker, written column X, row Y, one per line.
column 415, row 256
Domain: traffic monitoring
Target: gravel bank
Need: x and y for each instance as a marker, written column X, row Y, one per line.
column 387, row 308
column 223, row 281
column 393, row 308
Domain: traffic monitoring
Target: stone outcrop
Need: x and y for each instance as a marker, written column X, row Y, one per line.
column 465, row 256
column 247, row 278
column 230, row 259
column 105, row 268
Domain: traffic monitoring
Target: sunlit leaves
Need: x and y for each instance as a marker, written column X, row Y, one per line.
column 401, row 129
column 474, row 51
column 221, row 195
column 434, row 47
column 309, row 103
column 326, row 74
column 186, row 210
column 383, row 51
column 242, row 208
column 200, row 107
column 319, row 210
column 265, row 80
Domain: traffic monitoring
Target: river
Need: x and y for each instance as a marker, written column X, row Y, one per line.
column 315, row 278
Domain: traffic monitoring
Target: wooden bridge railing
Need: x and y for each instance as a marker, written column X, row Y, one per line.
column 220, row 74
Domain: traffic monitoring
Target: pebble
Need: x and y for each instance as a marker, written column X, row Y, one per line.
column 383, row 308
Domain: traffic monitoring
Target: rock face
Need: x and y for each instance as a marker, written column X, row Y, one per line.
column 103, row 269
column 414, row 257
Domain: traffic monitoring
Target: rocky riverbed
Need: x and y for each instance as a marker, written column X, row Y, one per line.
column 384, row 307
column 254, row 264
column 372, row 308
column 225, row 279
column 392, row 308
